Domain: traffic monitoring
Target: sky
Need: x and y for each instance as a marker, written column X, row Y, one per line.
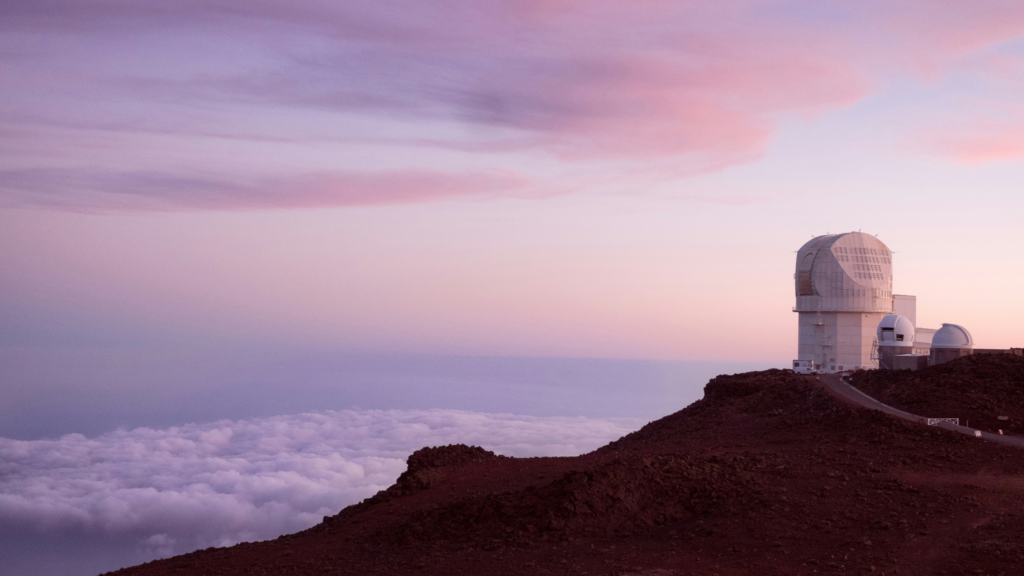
column 531, row 178
column 217, row 214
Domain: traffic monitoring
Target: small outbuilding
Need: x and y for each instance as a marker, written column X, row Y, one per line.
column 895, row 336
column 949, row 343
column 910, row 362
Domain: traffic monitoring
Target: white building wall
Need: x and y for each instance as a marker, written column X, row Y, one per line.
column 838, row 340
column 905, row 306
column 923, row 340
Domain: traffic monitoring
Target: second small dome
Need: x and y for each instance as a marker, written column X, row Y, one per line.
column 952, row 336
column 895, row 330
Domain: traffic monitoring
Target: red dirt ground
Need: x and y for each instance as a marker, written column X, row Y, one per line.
column 768, row 474
column 976, row 389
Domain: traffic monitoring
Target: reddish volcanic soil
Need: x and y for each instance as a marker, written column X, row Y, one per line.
column 768, row 474
column 976, row 389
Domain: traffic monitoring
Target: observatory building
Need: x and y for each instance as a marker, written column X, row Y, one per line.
column 851, row 320
column 843, row 290
column 895, row 337
column 949, row 343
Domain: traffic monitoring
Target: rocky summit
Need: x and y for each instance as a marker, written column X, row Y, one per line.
column 767, row 474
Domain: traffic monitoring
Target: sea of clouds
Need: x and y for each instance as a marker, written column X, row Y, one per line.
column 177, row 489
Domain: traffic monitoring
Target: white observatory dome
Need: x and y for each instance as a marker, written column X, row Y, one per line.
column 952, row 336
column 895, row 330
column 849, row 272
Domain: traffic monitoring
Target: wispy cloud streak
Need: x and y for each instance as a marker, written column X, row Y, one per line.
column 87, row 190
column 490, row 88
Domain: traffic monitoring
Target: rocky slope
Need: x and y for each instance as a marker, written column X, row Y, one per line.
column 976, row 389
column 768, row 474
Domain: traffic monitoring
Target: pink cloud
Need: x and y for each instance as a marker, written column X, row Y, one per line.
column 703, row 84
column 949, row 26
column 660, row 106
column 980, row 144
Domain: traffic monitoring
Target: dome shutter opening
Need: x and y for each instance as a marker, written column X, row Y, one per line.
column 804, row 284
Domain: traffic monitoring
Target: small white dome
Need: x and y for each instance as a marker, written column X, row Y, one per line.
column 895, row 330
column 952, row 336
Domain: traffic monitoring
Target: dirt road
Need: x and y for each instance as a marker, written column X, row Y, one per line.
column 835, row 384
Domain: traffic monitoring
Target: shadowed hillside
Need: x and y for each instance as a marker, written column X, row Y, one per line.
column 976, row 389
column 767, row 474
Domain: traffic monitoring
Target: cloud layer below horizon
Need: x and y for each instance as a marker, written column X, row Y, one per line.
column 216, row 484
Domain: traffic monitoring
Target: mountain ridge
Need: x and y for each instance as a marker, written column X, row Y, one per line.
column 767, row 474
